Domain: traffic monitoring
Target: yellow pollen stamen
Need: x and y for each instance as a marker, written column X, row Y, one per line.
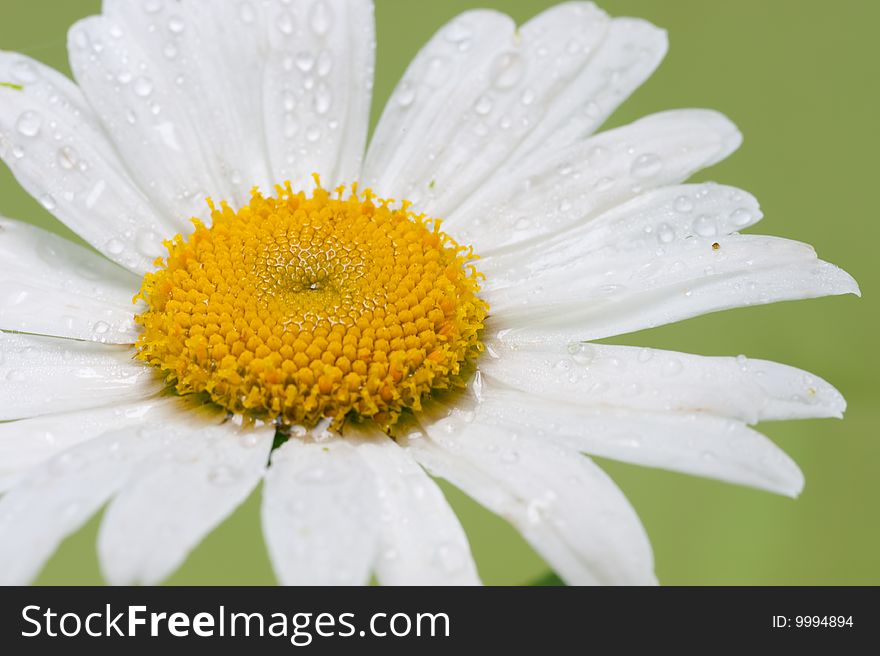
column 301, row 307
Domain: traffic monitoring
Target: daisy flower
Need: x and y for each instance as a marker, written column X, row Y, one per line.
column 341, row 322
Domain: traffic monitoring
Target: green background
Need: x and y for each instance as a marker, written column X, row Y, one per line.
column 800, row 80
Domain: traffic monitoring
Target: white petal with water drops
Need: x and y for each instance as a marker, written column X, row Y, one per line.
column 42, row 375
column 320, row 513
column 175, row 498
column 693, row 443
column 614, row 292
column 210, row 60
column 602, row 376
column 421, row 541
column 60, row 154
column 317, row 88
column 480, row 102
column 564, row 505
column 51, row 286
column 543, row 196
column 142, row 111
column 57, row 497
column 29, row 442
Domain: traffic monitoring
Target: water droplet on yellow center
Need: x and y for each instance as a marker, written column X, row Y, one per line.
column 302, row 306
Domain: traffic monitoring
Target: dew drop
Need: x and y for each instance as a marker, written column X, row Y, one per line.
column 321, row 18
column 582, row 354
column 683, row 204
column 704, row 226
column 48, row 201
column 176, row 25
column 507, row 70
column 323, row 99
column 101, row 328
column 29, row 124
column 405, row 94
column 143, row 87
column 114, row 247
column 285, row 23
column 483, row 106
column 646, row 165
column 450, row 557
column 325, row 63
column 24, row 71
column 148, row 244
column 645, row 355
column 741, row 217
column 313, row 133
column 305, row 61
column 665, row 233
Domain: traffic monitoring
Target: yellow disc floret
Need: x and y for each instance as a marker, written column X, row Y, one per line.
column 302, row 307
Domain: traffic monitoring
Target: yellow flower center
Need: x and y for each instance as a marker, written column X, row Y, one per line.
column 303, row 307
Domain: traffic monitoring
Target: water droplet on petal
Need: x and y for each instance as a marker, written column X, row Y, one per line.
column 683, row 204
column 47, row 201
column 304, row 61
column 321, row 18
column 507, row 70
column 665, row 233
column 646, row 165
column 143, row 86
column 101, row 328
column 483, row 106
column 741, row 217
column 323, row 99
column 114, row 247
column 29, row 124
column 405, row 94
column 23, row 71
column 704, row 226
column 176, row 24
column 285, row 23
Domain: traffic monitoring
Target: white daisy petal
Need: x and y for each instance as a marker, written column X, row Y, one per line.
column 421, row 540
column 175, row 498
column 603, row 376
column 41, row 375
column 692, row 443
column 59, row 153
column 58, row 497
column 473, row 94
column 612, row 292
column 156, row 134
column 647, row 222
column 49, row 285
column 630, row 51
column 564, row 505
column 441, row 76
column 30, row 442
column 541, row 197
column 317, row 89
column 213, row 52
column 320, row 514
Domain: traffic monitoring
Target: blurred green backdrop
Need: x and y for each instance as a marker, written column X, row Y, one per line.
column 799, row 77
